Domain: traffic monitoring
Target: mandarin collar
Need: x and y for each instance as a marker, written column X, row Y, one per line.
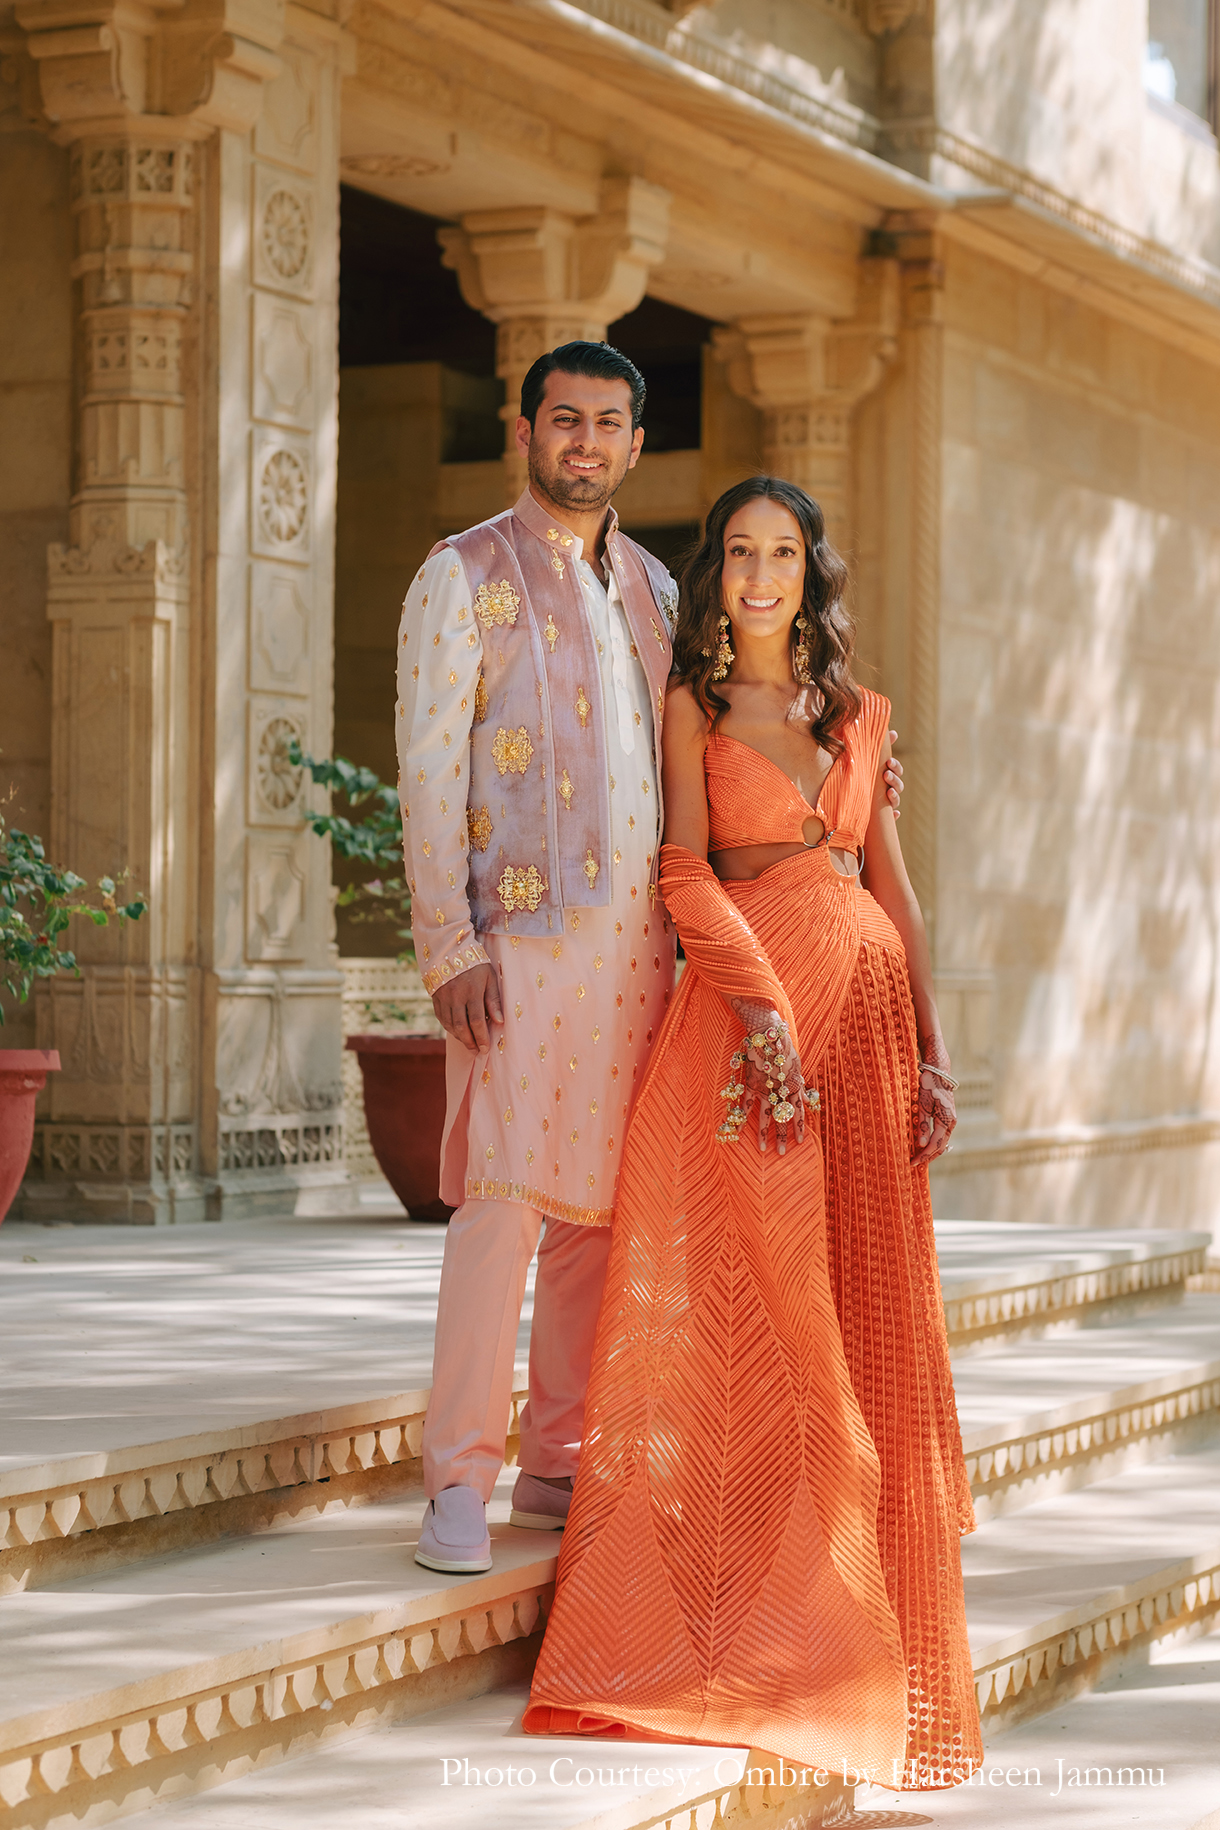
column 554, row 533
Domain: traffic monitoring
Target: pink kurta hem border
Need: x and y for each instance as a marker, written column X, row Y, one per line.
column 535, row 1197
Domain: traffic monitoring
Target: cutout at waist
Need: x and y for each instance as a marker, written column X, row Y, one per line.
column 746, row 863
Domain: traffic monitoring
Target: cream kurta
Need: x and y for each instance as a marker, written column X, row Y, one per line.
column 547, row 1109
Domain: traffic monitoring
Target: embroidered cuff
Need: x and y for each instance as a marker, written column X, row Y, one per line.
column 462, row 961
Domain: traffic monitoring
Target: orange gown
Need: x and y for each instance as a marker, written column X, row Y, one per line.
column 762, row 1543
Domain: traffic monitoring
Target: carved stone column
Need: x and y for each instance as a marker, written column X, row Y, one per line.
column 191, row 609
column 544, row 278
column 922, row 358
column 121, row 1134
column 807, row 374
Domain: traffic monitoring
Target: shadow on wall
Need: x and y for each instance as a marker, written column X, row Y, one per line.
column 1080, row 785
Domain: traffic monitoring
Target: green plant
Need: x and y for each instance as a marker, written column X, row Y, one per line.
column 37, row 905
column 373, row 840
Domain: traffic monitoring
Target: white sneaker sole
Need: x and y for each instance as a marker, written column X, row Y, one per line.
column 453, row 1566
column 536, row 1521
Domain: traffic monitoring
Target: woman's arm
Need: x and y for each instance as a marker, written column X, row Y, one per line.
column 885, row 877
column 718, row 941
column 683, row 741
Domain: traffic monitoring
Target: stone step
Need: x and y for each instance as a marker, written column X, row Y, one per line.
column 1006, row 1280
column 1059, row 1594
column 167, row 1678
column 221, row 1378
column 158, row 1679
column 1050, row 1415
column 78, row 1513
column 450, row 1770
column 62, row 1514
column 1140, row 1749
column 1087, row 1622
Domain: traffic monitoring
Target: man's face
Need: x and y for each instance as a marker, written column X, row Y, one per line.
column 581, row 445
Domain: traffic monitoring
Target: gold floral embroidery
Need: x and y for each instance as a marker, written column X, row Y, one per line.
column 479, row 827
column 557, row 565
column 551, row 632
column 427, row 849
column 453, row 571
column 583, row 708
column 453, row 682
column 566, row 790
column 590, row 866
column 480, row 700
column 496, row 604
column 511, row 750
column 521, row 888
column 657, row 633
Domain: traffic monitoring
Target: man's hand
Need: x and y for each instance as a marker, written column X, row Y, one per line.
column 894, row 783
column 467, row 1005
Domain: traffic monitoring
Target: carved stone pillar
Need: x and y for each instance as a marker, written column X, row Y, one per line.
column 191, row 610
column 120, row 1136
column 922, row 357
column 807, row 374
column 544, row 278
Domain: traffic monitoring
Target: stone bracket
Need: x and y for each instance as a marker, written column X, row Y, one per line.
column 822, row 365
column 95, row 65
column 534, row 262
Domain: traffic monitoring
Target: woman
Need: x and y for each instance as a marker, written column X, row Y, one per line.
column 762, row 1545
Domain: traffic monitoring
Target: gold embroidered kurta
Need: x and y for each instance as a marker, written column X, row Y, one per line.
column 547, row 1109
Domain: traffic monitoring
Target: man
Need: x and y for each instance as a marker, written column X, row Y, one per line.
column 533, row 655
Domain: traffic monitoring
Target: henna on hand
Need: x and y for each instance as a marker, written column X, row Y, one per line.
column 936, row 1111
column 766, row 1071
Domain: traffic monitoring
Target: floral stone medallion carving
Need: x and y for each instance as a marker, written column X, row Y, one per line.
column 285, row 234
column 283, row 497
column 279, row 780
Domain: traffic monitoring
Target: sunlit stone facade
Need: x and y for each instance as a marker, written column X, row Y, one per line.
column 955, row 268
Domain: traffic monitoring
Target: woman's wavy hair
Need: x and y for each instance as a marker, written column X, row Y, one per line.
column 831, row 627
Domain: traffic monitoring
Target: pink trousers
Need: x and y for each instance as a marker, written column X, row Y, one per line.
column 487, row 1253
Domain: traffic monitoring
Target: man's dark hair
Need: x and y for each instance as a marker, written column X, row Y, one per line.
column 599, row 361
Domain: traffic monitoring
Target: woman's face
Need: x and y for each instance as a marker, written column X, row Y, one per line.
column 763, row 581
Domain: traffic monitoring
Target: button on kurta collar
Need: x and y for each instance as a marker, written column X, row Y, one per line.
column 552, row 532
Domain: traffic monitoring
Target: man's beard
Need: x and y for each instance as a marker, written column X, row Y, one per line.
column 585, row 493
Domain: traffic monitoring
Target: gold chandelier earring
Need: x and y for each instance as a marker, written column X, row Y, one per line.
column 724, row 651
column 800, row 659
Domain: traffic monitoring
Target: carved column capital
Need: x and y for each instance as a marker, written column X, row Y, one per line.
column 102, row 65
column 807, row 374
column 546, row 278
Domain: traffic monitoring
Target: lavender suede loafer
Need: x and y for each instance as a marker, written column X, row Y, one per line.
column 455, row 1539
column 537, row 1506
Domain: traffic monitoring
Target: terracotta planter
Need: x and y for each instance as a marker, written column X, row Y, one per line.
column 404, row 1109
column 23, row 1075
